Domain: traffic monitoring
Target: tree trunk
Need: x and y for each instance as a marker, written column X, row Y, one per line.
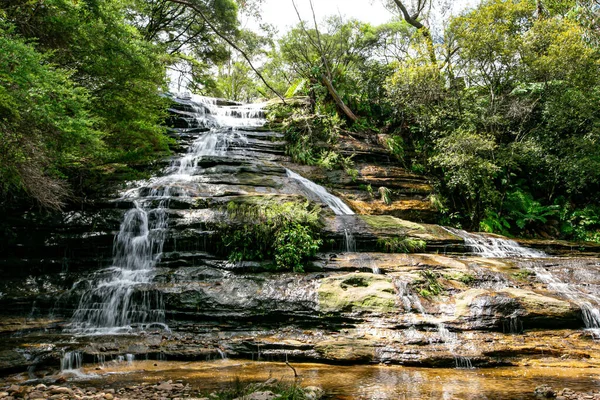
column 338, row 100
column 413, row 20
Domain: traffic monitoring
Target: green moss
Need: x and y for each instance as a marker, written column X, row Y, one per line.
column 463, row 277
column 357, row 292
column 401, row 245
column 428, row 285
column 388, row 222
column 523, row 275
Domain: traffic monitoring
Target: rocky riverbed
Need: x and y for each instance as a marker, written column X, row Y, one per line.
column 167, row 390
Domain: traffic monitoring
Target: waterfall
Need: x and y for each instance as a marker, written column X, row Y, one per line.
column 492, row 247
column 589, row 302
column 335, row 203
column 118, row 299
column 339, row 208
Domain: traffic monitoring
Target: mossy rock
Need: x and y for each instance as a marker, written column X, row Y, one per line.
column 389, row 225
column 346, row 350
column 387, row 222
column 513, row 302
column 358, row 293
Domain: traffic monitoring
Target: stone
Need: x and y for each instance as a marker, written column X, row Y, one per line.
column 267, row 395
column 545, row 391
column 313, row 392
column 109, row 396
column 164, row 386
column 37, row 395
column 357, row 292
column 61, row 390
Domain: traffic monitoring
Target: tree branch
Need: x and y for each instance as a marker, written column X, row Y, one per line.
column 229, row 41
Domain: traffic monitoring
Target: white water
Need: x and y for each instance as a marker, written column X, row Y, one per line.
column 236, row 116
column 492, row 247
column 335, row 203
column 411, row 301
column 588, row 302
column 118, row 299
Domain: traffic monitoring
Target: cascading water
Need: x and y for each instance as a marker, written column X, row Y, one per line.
column 411, row 301
column 492, row 247
column 118, row 300
column 339, row 208
column 571, row 288
column 335, row 203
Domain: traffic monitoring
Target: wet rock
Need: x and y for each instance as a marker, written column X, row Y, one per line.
column 313, row 392
column 488, row 309
column 357, row 293
column 545, row 391
column 267, row 395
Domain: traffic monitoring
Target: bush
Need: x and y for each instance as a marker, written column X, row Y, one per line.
column 287, row 233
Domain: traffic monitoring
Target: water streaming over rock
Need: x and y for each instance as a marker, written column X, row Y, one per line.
column 119, row 299
column 566, row 278
column 489, row 246
column 335, row 203
column 411, row 302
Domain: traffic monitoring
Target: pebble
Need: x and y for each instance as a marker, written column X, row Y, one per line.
column 144, row 391
column 546, row 392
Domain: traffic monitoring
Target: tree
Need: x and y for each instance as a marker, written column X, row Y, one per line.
column 45, row 125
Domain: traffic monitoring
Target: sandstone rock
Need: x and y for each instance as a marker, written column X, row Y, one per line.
column 357, row 292
column 267, row 395
column 313, row 392
column 164, row 386
column 61, row 390
column 37, row 395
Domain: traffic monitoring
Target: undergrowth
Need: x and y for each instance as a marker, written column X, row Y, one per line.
column 286, row 233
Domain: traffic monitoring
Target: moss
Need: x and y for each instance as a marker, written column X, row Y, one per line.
column 428, row 285
column 357, row 292
column 389, row 222
column 463, row 277
column 523, row 275
column 401, row 245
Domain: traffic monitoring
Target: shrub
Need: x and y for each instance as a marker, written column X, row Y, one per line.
column 287, row 233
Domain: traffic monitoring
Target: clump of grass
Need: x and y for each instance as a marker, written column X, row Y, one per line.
column 239, row 389
column 428, row 285
column 401, row 245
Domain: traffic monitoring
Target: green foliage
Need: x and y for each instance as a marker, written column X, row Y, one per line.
column 401, row 245
column 524, row 275
column 311, row 138
column 286, row 232
column 580, row 224
column 428, row 285
column 506, row 127
column 463, row 277
column 45, row 123
column 386, row 195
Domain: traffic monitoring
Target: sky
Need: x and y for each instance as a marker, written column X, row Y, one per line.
column 281, row 12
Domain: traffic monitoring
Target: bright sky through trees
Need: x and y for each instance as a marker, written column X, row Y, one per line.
column 281, row 12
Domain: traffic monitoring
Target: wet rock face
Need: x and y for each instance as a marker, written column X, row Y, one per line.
column 370, row 306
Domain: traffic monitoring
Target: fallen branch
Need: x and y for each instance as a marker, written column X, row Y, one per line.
column 290, row 365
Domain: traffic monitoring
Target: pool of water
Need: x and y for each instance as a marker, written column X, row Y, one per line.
column 354, row 382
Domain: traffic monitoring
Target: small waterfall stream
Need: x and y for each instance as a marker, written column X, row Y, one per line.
column 116, row 301
column 335, row 203
column 493, row 247
column 339, row 208
column 487, row 246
